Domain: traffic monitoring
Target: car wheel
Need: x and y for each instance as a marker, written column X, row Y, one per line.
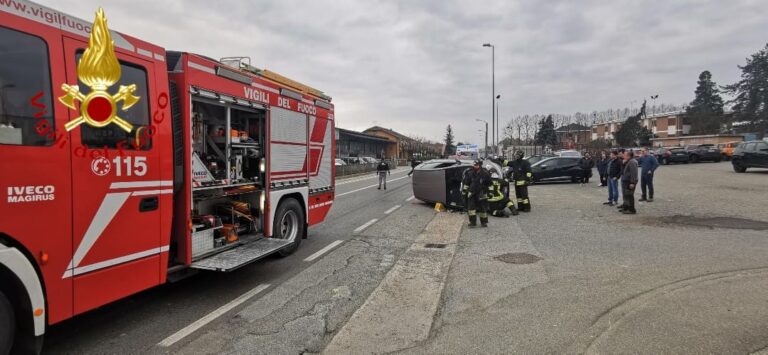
column 739, row 168
column 7, row 325
column 289, row 224
column 718, row 160
column 693, row 159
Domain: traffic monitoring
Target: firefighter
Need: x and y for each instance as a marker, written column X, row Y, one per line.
column 497, row 200
column 476, row 182
column 521, row 175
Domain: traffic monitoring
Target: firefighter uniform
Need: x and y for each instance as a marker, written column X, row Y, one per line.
column 498, row 201
column 521, row 176
column 476, row 183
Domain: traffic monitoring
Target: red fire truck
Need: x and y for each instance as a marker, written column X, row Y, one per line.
column 223, row 164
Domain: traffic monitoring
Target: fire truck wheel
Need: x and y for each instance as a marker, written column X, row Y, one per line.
column 7, row 325
column 289, row 224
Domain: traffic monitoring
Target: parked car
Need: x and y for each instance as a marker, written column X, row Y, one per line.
column 340, row 162
column 752, row 154
column 672, row 155
column 538, row 157
column 568, row 153
column 556, row 168
column 727, row 149
column 703, row 152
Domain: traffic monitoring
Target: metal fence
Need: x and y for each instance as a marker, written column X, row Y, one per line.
column 352, row 169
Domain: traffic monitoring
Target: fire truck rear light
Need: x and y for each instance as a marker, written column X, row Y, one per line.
column 38, row 312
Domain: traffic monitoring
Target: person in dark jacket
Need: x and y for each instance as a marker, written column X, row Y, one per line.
column 602, row 168
column 520, row 172
column 476, row 182
column 586, row 164
column 648, row 164
column 629, row 180
column 613, row 174
column 382, row 170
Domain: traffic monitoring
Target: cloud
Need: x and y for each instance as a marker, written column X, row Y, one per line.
column 418, row 66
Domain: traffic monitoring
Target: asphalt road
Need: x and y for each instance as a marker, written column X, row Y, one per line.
column 138, row 323
column 688, row 274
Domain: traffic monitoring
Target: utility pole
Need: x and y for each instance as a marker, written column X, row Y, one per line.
column 498, row 138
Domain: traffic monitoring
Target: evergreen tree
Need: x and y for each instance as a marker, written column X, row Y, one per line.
column 705, row 113
column 449, row 147
column 750, row 101
column 546, row 134
column 632, row 132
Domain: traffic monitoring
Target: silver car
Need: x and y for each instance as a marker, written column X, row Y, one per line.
column 439, row 180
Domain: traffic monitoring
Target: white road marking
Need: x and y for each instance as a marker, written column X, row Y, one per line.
column 320, row 252
column 367, row 187
column 358, row 179
column 410, row 199
column 181, row 334
column 391, row 209
column 366, row 225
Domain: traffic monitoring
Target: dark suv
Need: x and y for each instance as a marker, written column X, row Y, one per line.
column 753, row 154
column 702, row 152
column 556, row 168
column 672, row 155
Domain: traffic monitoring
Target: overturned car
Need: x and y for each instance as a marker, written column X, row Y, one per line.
column 439, row 180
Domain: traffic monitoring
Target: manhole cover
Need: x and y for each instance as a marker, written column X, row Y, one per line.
column 435, row 246
column 518, row 258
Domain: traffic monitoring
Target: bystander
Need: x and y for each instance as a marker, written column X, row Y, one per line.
column 648, row 165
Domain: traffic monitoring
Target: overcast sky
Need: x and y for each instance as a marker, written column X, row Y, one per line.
column 417, row 66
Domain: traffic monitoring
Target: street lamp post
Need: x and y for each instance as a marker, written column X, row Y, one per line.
column 498, row 123
column 493, row 89
column 486, row 135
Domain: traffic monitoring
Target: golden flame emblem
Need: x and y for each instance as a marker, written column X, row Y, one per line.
column 99, row 69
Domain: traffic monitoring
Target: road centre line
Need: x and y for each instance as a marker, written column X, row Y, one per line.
column 366, row 225
column 320, row 252
column 367, row 187
column 184, row 332
column 392, row 209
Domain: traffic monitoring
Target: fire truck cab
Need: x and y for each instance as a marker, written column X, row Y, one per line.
column 224, row 164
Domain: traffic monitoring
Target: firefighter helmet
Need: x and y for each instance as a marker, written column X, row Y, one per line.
column 519, row 154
